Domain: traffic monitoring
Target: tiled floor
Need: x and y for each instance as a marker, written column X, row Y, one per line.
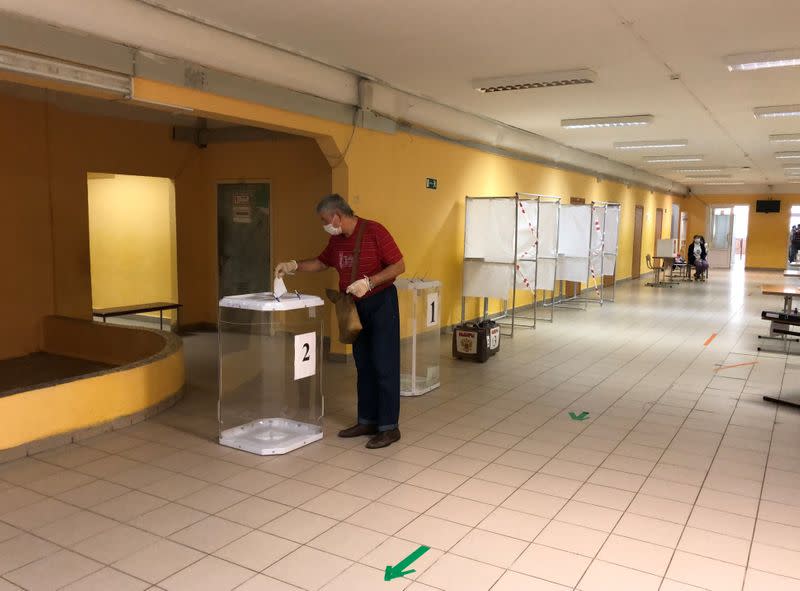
column 681, row 479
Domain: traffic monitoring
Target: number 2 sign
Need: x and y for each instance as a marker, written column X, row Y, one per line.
column 305, row 355
column 432, row 310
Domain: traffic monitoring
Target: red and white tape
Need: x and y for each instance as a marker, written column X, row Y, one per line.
column 525, row 281
column 593, row 253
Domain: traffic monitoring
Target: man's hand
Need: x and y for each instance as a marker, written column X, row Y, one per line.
column 287, row 268
column 360, row 288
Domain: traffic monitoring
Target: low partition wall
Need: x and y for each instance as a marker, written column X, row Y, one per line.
column 148, row 376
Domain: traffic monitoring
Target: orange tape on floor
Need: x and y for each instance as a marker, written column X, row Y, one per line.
column 709, row 339
column 735, row 365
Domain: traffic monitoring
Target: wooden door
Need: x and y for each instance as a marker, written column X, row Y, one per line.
column 636, row 262
column 659, row 230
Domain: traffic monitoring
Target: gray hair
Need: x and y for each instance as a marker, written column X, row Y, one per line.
column 334, row 204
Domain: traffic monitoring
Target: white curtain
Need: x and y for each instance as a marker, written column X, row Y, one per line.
column 489, row 231
column 488, row 280
column 574, row 242
column 610, row 247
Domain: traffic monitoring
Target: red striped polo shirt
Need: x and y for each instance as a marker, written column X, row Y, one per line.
column 378, row 251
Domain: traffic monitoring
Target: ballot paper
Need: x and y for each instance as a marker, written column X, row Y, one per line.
column 279, row 287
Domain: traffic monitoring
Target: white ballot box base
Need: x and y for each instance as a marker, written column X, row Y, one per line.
column 422, row 386
column 267, row 437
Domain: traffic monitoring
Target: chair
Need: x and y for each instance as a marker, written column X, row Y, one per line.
column 691, row 271
column 658, row 273
column 684, row 271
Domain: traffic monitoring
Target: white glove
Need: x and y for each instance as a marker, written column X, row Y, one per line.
column 360, row 288
column 287, row 268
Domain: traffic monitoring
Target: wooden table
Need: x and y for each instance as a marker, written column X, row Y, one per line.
column 106, row 313
column 787, row 291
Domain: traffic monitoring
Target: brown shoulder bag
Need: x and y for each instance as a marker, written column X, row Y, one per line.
column 346, row 312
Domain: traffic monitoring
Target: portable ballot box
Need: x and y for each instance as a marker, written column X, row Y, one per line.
column 270, row 372
column 476, row 341
column 420, row 340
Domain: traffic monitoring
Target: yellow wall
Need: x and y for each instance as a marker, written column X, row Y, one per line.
column 383, row 175
column 298, row 174
column 767, row 233
column 388, row 184
column 45, row 251
column 26, row 250
column 132, row 240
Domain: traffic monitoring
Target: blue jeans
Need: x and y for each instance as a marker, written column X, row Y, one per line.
column 700, row 266
column 377, row 355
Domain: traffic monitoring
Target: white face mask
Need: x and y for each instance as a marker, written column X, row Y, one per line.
column 332, row 230
column 697, row 241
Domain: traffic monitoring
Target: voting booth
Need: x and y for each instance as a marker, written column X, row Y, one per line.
column 574, row 248
column 270, row 372
column 420, row 332
column 510, row 244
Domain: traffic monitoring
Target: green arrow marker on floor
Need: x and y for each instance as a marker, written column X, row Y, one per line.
column 395, row 572
column 581, row 417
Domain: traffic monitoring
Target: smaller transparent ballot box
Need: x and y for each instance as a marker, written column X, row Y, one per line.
column 270, row 372
column 420, row 335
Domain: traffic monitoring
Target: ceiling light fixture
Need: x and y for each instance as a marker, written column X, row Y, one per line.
column 787, row 155
column 697, row 170
column 783, row 138
column 724, row 183
column 651, row 144
column 668, row 159
column 49, row 69
column 708, row 176
column 539, row 80
column 623, row 121
column 777, row 112
column 745, row 62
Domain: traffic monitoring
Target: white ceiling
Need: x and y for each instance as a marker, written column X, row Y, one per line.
column 435, row 48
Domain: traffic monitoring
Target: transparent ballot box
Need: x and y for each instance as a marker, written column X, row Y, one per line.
column 270, row 386
column 420, row 339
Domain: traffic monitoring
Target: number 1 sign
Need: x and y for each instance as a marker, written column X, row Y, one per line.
column 305, row 355
column 432, row 309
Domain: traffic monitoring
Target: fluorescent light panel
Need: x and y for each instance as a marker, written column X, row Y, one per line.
column 539, row 80
column 708, row 176
column 653, row 144
column 667, row 159
column 698, row 170
column 40, row 67
column 783, row 138
column 777, row 112
column 745, row 62
column 787, row 155
column 623, row 121
column 724, row 183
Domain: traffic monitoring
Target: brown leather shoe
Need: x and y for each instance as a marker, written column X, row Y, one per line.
column 359, row 430
column 384, row 439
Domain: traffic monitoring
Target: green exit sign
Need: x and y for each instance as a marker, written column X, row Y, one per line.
column 431, row 184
